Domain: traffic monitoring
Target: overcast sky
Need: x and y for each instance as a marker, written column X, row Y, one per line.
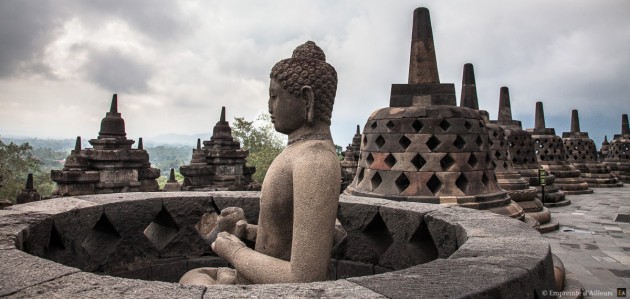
column 175, row 63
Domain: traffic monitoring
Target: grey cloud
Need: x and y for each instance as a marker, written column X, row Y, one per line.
column 114, row 71
column 26, row 27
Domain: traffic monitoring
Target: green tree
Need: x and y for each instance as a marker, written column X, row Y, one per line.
column 262, row 141
column 16, row 162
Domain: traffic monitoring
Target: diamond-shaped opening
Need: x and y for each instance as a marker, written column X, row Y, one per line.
column 472, row 160
column 444, row 124
column 418, row 161
column 505, row 165
column 495, row 134
column 376, row 181
column 162, row 229
column 417, row 125
column 434, row 184
column 488, row 158
column 404, row 142
column 390, row 160
column 433, row 142
column 374, row 125
column 360, row 175
column 102, row 240
column 378, row 235
column 490, row 143
column 467, row 125
column 364, row 141
column 462, row 183
column 497, row 154
column 390, row 125
column 402, row 182
column 55, row 243
column 446, row 162
column 369, row 159
column 425, row 250
column 481, row 124
column 459, row 142
column 479, row 141
column 485, row 179
column 380, row 141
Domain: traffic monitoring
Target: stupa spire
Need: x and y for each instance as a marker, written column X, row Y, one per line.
column 29, row 182
column 469, row 88
column 422, row 63
column 114, row 106
column 540, row 116
column 77, row 144
column 140, row 144
column 625, row 128
column 575, row 121
column 505, row 107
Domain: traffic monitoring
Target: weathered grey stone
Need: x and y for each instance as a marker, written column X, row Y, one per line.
column 20, row 270
column 87, row 285
column 333, row 289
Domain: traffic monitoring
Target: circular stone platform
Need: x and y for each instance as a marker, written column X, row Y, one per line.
column 63, row 247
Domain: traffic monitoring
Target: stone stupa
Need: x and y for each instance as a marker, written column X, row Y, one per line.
column 219, row 164
column 522, row 153
column 423, row 148
column 618, row 158
column 508, row 178
column 581, row 152
column 172, row 185
column 28, row 194
column 111, row 166
column 551, row 156
column 603, row 151
column 350, row 158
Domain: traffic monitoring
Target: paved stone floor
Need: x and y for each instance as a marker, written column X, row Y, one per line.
column 590, row 243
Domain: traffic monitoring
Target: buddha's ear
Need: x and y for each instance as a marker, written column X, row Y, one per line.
column 309, row 97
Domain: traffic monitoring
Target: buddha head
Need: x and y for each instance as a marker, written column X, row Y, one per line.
column 302, row 90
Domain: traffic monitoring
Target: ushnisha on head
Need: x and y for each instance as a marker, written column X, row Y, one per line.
column 304, row 82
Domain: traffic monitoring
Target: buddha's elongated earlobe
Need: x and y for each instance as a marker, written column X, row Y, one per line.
column 307, row 93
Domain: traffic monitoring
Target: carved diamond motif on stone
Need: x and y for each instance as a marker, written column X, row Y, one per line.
column 369, row 159
column 467, row 125
column 472, row 160
column 390, row 125
column 378, row 235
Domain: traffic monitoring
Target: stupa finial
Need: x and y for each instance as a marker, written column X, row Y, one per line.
column 625, row 128
column 358, row 130
column 140, row 144
column 222, row 119
column 171, row 176
column 77, row 144
column 114, row 107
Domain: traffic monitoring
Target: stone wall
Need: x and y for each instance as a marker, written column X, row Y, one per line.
column 393, row 249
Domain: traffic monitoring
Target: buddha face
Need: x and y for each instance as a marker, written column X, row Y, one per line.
column 288, row 112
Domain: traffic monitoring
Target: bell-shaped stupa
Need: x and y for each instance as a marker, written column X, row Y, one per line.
column 507, row 177
column 28, row 194
column 552, row 157
column 581, row 152
column 423, row 147
column 603, row 150
column 522, row 153
column 618, row 158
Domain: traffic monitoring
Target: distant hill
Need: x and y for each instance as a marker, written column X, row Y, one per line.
column 176, row 139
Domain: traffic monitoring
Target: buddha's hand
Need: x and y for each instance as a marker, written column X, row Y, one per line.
column 227, row 245
column 233, row 221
